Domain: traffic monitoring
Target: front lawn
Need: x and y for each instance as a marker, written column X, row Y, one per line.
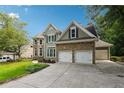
column 10, row 71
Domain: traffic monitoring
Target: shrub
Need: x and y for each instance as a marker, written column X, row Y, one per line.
column 40, row 59
column 115, row 58
column 49, row 61
column 122, row 59
column 23, row 60
column 35, row 67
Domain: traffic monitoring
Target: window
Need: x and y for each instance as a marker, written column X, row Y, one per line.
column 73, row 32
column 40, row 51
column 54, row 52
column 35, row 52
column 40, row 41
column 51, row 52
column 48, row 52
column 51, row 38
column 55, row 37
column 35, row 41
column 4, row 57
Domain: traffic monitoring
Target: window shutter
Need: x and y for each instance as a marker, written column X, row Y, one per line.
column 69, row 33
column 76, row 32
column 55, row 37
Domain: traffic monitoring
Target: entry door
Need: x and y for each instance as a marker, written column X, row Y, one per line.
column 65, row 56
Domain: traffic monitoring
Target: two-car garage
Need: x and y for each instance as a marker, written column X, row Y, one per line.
column 81, row 52
column 83, row 56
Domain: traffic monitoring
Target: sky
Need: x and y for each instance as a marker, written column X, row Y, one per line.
column 38, row 17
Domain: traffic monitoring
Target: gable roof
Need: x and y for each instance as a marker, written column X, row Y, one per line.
column 54, row 27
column 41, row 34
column 101, row 43
column 79, row 26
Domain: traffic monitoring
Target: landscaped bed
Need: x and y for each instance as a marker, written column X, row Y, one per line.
column 10, row 71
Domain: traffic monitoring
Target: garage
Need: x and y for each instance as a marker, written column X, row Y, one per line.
column 65, row 56
column 102, row 50
column 84, row 56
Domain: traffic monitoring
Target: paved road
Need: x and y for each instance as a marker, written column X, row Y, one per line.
column 69, row 75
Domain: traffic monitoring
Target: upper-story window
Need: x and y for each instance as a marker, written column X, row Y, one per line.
column 73, row 32
column 35, row 41
column 41, row 42
column 51, row 38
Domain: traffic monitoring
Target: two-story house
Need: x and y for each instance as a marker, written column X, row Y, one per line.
column 77, row 44
column 44, row 43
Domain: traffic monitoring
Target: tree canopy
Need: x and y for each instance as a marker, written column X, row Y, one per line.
column 109, row 22
column 12, row 34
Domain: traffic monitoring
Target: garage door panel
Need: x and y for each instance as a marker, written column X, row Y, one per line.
column 101, row 54
column 65, row 56
column 83, row 56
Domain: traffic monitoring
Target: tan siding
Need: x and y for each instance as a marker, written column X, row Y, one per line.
column 81, row 34
column 102, row 54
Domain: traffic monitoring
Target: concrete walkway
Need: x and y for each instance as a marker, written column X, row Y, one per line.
column 68, row 75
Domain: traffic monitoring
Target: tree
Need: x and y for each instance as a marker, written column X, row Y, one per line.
column 109, row 21
column 12, row 34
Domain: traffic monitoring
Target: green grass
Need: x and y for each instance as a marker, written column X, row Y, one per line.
column 117, row 58
column 9, row 71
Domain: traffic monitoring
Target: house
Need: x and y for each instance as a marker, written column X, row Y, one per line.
column 11, row 55
column 77, row 44
column 44, row 43
column 27, row 50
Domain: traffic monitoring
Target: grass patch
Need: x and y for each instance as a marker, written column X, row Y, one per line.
column 117, row 58
column 10, row 71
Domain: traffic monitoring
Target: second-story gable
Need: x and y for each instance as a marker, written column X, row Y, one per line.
column 51, row 34
column 75, row 31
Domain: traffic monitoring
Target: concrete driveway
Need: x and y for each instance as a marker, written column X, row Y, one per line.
column 70, row 75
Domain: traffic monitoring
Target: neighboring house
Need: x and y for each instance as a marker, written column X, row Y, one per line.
column 76, row 44
column 11, row 55
column 27, row 51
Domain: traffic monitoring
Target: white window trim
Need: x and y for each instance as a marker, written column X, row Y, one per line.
column 71, row 32
column 51, row 40
column 48, row 50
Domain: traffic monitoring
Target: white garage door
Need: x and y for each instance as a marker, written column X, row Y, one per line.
column 83, row 56
column 65, row 56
